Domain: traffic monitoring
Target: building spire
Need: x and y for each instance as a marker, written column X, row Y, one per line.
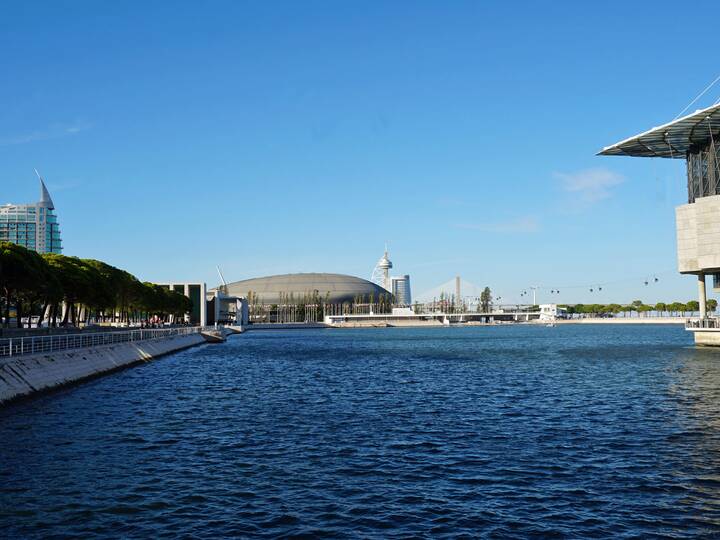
column 45, row 199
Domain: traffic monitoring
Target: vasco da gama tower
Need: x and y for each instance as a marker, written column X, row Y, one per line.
column 34, row 225
column 696, row 139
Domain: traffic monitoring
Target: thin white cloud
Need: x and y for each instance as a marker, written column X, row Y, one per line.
column 521, row 225
column 54, row 131
column 590, row 185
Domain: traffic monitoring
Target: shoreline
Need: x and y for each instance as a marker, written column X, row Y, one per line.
column 438, row 324
column 629, row 320
column 28, row 376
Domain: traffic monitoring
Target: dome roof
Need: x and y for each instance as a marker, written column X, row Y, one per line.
column 337, row 288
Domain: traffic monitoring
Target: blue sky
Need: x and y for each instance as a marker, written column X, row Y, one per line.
column 273, row 137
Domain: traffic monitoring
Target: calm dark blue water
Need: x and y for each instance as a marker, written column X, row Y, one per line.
column 573, row 431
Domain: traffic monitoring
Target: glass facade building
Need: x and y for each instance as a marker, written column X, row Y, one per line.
column 33, row 226
column 703, row 174
column 401, row 290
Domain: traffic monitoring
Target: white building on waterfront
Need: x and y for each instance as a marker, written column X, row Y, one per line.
column 552, row 312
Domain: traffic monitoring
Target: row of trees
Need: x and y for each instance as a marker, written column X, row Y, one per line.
column 450, row 304
column 68, row 290
column 678, row 309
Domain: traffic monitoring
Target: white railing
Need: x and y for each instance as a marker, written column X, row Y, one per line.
column 702, row 323
column 11, row 347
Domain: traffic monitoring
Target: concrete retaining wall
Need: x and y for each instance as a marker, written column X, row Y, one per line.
column 26, row 375
column 698, row 234
column 710, row 338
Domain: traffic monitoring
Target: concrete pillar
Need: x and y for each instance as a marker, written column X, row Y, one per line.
column 203, row 304
column 702, row 296
column 458, row 298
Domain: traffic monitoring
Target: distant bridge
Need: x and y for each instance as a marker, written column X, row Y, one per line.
column 469, row 291
column 436, row 317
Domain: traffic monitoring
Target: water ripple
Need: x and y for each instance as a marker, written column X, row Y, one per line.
column 574, row 431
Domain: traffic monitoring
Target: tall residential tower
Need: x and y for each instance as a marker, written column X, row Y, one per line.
column 401, row 290
column 34, row 225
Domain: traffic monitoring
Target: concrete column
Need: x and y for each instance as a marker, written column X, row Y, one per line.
column 458, row 300
column 203, row 305
column 702, row 295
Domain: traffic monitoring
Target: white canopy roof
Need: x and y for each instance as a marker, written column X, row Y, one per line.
column 670, row 140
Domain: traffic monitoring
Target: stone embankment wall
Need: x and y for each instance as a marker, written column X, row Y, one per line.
column 25, row 375
column 708, row 338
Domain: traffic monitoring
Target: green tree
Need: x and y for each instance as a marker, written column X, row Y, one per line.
column 485, row 300
column 86, row 289
column 677, row 308
column 33, row 301
column 79, row 282
column 24, row 280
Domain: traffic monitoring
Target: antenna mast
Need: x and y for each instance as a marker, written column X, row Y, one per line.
column 224, row 285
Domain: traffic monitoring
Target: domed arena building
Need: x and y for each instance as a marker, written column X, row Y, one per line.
column 331, row 288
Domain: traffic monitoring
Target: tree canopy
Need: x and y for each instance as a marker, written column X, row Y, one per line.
column 640, row 308
column 88, row 289
column 485, row 300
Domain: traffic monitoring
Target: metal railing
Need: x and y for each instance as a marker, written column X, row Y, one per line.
column 11, row 347
column 702, row 323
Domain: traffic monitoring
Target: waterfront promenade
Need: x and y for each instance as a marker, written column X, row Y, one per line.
column 30, row 365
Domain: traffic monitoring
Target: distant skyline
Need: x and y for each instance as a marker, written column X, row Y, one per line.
column 270, row 138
